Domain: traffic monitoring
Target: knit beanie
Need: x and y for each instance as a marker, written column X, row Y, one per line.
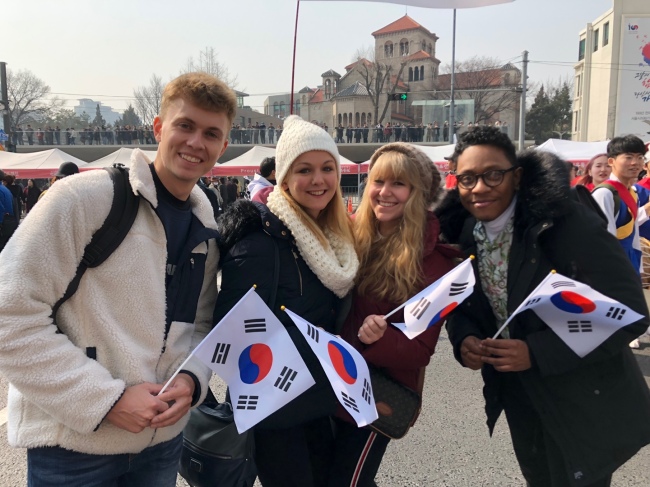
column 298, row 137
column 429, row 173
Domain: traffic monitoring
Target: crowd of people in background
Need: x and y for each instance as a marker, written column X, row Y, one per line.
column 94, row 135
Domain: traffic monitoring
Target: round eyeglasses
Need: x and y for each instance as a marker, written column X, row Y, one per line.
column 492, row 178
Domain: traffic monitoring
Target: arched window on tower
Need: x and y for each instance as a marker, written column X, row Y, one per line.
column 404, row 47
column 388, row 49
column 328, row 89
column 410, row 74
column 430, row 48
column 416, row 76
column 424, row 45
column 421, row 73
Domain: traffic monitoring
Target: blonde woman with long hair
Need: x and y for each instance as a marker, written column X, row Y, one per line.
column 305, row 230
column 399, row 255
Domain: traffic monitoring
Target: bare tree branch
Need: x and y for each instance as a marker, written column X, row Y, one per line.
column 148, row 99
column 29, row 97
column 484, row 80
column 208, row 62
column 376, row 77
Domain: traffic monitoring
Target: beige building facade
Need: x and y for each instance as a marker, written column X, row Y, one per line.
column 612, row 77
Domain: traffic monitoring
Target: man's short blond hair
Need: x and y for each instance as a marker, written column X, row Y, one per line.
column 203, row 90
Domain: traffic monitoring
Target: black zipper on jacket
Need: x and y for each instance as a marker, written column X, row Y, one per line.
column 295, row 259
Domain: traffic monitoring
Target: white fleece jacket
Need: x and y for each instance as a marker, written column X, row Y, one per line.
column 59, row 396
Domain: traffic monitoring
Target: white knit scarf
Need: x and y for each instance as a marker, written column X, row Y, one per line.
column 335, row 266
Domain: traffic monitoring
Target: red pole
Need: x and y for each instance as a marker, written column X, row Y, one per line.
column 293, row 66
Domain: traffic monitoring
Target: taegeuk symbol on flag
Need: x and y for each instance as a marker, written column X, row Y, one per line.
column 580, row 315
column 253, row 353
column 435, row 302
column 345, row 368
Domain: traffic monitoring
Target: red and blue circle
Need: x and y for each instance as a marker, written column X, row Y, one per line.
column 343, row 362
column 255, row 363
column 442, row 314
column 571, row 302
column 646, row 53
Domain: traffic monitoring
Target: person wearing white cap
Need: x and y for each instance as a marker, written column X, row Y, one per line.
column 305, row 232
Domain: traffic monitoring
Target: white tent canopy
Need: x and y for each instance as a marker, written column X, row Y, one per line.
column 574, row 151
column 120, row 156
column 42, row 164
column 437, row 154
column 249, row 162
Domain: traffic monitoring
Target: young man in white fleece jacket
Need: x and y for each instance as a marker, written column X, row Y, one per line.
column 84, row 402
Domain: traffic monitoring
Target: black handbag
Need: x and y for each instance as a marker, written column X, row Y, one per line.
column 214, row 453
column 397, row 405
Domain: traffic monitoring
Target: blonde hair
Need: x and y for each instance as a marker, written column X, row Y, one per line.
column 203, row 90
column 390, row 268
column 334, row 217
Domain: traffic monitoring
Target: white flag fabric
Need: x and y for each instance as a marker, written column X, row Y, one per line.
column 579, row 315
column 436, row 301
column 253, row 353
column 345, row 368
column 432, row 3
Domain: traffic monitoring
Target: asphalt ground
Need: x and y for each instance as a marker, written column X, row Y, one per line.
column 448, row 447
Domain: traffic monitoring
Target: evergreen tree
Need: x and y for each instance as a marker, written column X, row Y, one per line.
column 129, row 117
column 563, row 111
column 98, row 121
column 540, row 119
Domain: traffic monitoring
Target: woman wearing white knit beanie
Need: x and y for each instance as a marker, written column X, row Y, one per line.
column 305, row 232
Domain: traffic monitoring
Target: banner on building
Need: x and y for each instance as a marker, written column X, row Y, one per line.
column 633, row 109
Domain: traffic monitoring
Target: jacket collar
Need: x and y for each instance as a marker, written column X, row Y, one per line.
column 143, row 185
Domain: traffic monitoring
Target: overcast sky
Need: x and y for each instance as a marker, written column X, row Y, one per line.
column 104, row 49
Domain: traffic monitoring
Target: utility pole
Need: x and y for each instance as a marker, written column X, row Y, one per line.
column 4, row 105
column 522, row 104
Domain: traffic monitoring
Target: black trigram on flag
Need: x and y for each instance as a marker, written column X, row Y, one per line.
column 367, row 391
column 580, row 326
column 457, row 288
column 247, row 402
column 312, row 331
column 220, row 353
column 349, row 402
column 557, row 284
column 255, row 325
column 419, row 309
column 285, row 379
column 530, row 302
column 616, row 313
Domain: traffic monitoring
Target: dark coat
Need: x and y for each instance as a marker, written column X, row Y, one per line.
column 403, row 358
column 250, row 234
column 596, row 408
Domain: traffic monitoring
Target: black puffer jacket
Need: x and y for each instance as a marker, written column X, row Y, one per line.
column 596, row 408
column 248, row 248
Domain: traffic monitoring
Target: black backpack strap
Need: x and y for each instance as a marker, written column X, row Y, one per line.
column 110, row 235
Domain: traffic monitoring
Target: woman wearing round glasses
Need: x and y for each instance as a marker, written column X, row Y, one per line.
column 516, row 215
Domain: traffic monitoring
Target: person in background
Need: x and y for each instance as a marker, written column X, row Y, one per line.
column 6, row 210
column 400, row 254
column 32, row 192
column 618, row 196
column 263, row 182
column 596, row 172
column 65, row 169
column 514, row 213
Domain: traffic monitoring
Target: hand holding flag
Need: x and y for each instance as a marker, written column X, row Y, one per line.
column 581, row 316
column 436, row 301
column 253, row 353
column 345, row 368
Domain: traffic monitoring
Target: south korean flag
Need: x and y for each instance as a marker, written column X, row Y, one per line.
column 433, row 304
column 345, row 368
column 253, row 353
column 581, row 316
